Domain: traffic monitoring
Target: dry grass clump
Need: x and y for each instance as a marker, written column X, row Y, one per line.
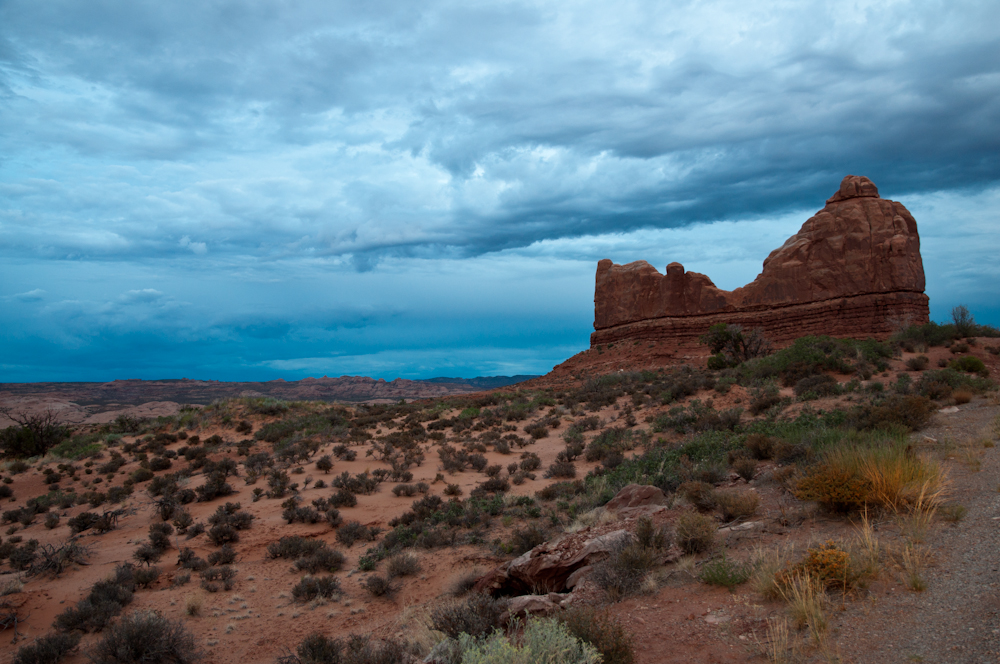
column 807, row 601
column 402, row 564
column 737, row 503
column 852, row 477
column 694, row 532
column 193, row 604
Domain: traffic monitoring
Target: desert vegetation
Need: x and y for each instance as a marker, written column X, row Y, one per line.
column 348, row 507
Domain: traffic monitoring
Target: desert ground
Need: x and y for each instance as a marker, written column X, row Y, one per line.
column 745, row 542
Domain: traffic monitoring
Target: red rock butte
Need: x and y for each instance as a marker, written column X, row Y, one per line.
column 852, row 270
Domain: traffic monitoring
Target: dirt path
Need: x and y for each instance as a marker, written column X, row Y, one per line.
column 957, row 618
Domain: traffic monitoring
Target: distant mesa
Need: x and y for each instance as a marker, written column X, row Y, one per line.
column 852, row 270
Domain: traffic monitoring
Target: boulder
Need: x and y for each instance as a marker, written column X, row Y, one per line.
column 531, row 605
column 636, row 495
column 550, row 565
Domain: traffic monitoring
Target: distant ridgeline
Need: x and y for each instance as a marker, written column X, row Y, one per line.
column 853, row 270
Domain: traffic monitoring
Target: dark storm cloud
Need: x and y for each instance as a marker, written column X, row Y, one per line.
column 443, row 129
column 242, row 187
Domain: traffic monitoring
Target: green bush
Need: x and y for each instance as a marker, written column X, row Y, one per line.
column 969, row 364
column 545, row 640
column 724, row 572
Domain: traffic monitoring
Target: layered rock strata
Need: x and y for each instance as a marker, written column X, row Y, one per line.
column 852, row 270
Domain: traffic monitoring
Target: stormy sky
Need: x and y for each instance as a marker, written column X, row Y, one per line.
column 249, row 191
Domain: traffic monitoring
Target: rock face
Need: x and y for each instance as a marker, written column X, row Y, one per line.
column 550, row 565
column 852, row 270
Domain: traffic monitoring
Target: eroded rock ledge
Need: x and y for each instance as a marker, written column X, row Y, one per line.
column 852, row 270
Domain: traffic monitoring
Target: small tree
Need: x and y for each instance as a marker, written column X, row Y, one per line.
column 732, row 345
column 965, row 324
column 33, row 435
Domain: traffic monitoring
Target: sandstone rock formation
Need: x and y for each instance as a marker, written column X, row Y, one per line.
column 551, row 565
column 852, row 270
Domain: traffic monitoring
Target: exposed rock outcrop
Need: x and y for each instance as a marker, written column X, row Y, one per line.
column 852, row 270
column 549, row 566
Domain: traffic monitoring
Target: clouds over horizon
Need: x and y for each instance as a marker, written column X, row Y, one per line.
column 204, row 144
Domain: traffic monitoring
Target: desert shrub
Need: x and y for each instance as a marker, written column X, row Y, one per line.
column 544, row 640
column 530, row 461
column 146, row 576
column 182, row 521
column 311, row 587
column 105, row 600
column 323, row 559
column 187, row 559
column 918, row 363
column 969, row 364
column 319, row 649
column 737, row 503
column 525, row 539
column 910, row 411
column 694, row 532
column 293, row 546
column 851, row 477
column 724, row 572
column 232, row 515
column 648, row 535
column 960, row 397
column 764, row 397
column 745, row 468
column 215, row 486
column 732, row 345
column 492, row 485
column 342, row 498
column 407, row 490
column 379, row 586
column 48, row 649
column 159, row 535
column 700, row 494
column 478, row 615
column 602, row 631
column 828, row 564
column 608, row 442
column 352, row 531
column 222, row 534
column 363, row 483
column 819, row 385
column 402, row 564
column 561, row 469
column 157, row 464
column 224, row 556
column 453, row 490
column 145, row 636
column 623, row 572
column 51, row 520
column 214, row 578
